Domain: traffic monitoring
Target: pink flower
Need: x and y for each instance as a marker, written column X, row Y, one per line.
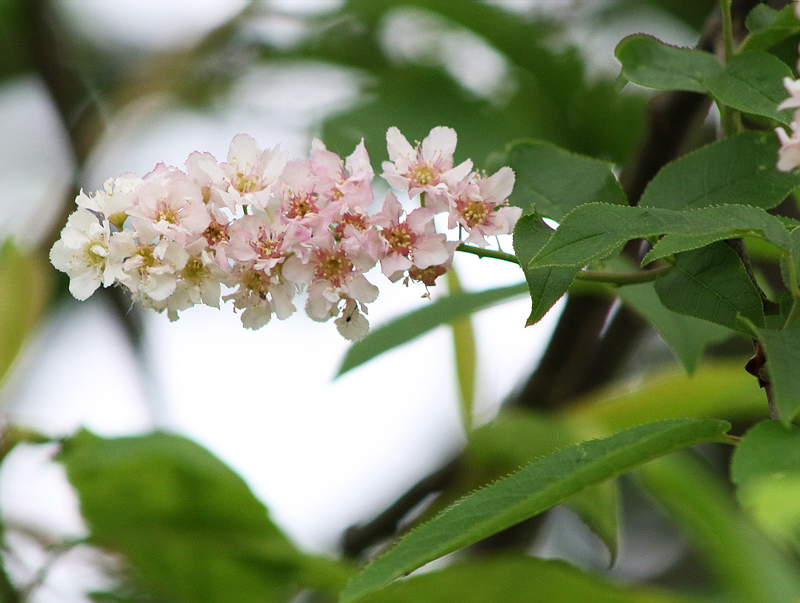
column 331, row 276
column 426, row 168
column 252, row 173
column 172, row 204
column 145, row 263
column 481, row 207
column 410, row 242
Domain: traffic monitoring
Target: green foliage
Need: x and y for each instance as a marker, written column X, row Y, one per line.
column 768, row 27
column 515, row 579
column 552, row 181
column 748, row 566
column 650, row 62
column 686, row 335
column 548, row 284
column 782, row 349
column 739, row 169
column 766, row 471
column 529, row 491
column 593, row 231
column 24, row 291
column 189, row 526
column 711, row 283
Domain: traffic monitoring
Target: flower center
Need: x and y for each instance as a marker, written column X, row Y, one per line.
column 194, row 271
column 333, row 266
column 300, row 206
column 475, row 212
column 216, row 233
column 247, row 183
column 400, row 239
column 422, row 174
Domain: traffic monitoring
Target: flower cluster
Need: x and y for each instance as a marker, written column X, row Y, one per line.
column 258, row 229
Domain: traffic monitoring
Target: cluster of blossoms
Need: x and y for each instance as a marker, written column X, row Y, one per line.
column 258, row 229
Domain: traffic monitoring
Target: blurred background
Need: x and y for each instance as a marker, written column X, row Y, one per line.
column 91, row 89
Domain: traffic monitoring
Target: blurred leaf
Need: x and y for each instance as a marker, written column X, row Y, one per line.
column 748, row 565
column 15, row 33
column 553, row 181
column 739, row 169
column 546, row 285
column 24, row 291
column 782, row 349
column 711, row 283
column 724, row 391
column 768, row 27
column 536, row 487
column 694, row 13
column 548, row 96
column 766, row 471
column 515, row 579
column 593, row 231
column 649, row 62
column 410, row 326
column 752, row 82
column 687, row 336
column 187, row 523
column 464, row 355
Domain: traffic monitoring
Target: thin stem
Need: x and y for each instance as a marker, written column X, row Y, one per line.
column 794, row 312
column 488, row 253
column 727, row 28
column 595, row 276
column 624, row 278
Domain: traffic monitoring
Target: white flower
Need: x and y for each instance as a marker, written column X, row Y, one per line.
column 82, row 252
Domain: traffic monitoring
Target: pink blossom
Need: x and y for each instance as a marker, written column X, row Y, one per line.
column 481, row 207
column 410, row 242
column 172, row 203
column 426, row 168
column 252, row 173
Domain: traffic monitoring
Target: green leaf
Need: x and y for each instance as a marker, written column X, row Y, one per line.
column 711, row 283
column 782, row 349
column 739, row 169
column 687, row 336
column 410, row 326
column 766, row 470
column 514, row 579
column 514, row 438
column 718, row 224
column 650, row 62
column 747, row 564
column 536, row 487
column 24, row 290
column 722, row 390
column 769, row 27
column 187, row 523
column 546, row 285
column 593, row 231
column 752, row 82
column 553, row 181
column 465, row 356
